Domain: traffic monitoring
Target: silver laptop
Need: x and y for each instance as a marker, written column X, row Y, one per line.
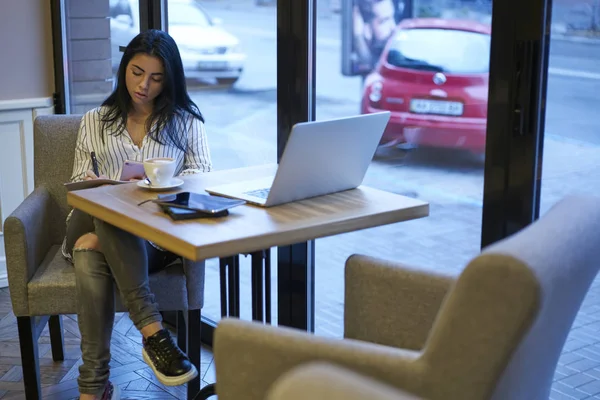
column 320, row 157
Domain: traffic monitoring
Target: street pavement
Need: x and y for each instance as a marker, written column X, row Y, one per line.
column 241, row 126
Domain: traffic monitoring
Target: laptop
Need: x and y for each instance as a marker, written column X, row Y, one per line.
column 321, row 157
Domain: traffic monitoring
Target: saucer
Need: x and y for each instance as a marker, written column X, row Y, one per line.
column 175, row 182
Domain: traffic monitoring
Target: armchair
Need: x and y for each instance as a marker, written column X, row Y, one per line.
column 496, row 331
column 42, row 283
column 322, row 381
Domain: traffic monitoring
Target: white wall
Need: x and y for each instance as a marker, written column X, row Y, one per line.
column 16, row 158
column 26, row 88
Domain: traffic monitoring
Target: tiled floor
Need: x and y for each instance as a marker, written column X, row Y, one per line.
column 577, row 376
column 128, row 370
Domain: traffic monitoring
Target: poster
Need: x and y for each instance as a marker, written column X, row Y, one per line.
column 366, row 27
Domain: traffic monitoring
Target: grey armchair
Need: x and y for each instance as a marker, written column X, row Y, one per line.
column 495, row 332
column 322, row 381
column 42, row 283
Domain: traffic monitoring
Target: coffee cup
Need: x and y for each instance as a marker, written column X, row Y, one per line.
column 160, row 170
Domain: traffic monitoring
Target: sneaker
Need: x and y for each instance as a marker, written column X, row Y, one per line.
column 170, row 365
column 111, row 392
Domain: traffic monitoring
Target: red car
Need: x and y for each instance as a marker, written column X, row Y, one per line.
column 433, row 76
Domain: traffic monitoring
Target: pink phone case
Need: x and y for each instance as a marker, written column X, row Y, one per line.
column 132, row 170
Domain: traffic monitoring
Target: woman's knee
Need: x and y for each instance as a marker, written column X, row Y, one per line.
column 89, row 241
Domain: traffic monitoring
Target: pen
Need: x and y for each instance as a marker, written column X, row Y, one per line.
column 94, row 164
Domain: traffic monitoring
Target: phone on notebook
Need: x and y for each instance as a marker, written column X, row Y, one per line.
column 201, row 203
column 180, row 214
column 132, row 170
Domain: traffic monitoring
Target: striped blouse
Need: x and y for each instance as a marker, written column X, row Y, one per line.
column 114, row 150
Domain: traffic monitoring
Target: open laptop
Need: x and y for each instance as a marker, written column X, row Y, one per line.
column 320, row 157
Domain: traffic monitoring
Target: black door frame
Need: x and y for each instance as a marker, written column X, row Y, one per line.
column 516, row 116
column 59, row 49
column 296, row 102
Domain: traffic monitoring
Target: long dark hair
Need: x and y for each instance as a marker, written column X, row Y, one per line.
column 172, row 107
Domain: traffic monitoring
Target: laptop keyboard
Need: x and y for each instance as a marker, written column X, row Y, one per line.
column 260, row 193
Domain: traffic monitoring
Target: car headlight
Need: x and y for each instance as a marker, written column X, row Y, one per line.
column 375, row 91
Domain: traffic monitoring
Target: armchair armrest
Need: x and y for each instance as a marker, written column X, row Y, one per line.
column 250, row 357
column 27, row 240
column 321, row 381
column 391, row 304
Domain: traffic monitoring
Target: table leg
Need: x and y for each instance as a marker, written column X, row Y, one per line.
column 230, row 286
column 261, row 285
column 268, row 286
column 257, row 285
column 296, row 286
column 194, row 324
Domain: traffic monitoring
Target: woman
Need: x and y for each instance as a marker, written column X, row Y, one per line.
column 148, row 115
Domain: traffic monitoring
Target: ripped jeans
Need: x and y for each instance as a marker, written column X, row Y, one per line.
column 124, row 259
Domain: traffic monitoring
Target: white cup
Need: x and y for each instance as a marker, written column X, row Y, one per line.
column 160, row 170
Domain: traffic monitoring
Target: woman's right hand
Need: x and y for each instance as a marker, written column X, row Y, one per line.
column 90, row 175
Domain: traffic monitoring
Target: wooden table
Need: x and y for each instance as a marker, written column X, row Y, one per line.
column 250, row 229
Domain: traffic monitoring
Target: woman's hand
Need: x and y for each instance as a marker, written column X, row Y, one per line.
column 90, row 175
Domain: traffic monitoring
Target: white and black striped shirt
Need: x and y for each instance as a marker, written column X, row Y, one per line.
column 112, row 150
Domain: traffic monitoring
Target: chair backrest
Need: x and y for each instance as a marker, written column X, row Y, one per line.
column 502, row 328
column 563, row 251
column 54, row 152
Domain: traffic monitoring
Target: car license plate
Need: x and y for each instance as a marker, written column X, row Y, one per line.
column 422, row 106
column 212, row 65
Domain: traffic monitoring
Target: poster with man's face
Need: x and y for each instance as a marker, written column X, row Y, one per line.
column 367, row 25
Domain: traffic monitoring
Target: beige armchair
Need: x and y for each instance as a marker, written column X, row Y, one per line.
column 321, row 381
column 496, row 331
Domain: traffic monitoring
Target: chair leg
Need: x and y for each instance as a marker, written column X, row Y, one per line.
column 206, row 392
column 56, row 338
column 181, row 332
column 193, row 349
column 30, row 357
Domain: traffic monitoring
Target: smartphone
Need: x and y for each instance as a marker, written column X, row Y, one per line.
column 179, row 214
column 132, row 170
column 198, row 202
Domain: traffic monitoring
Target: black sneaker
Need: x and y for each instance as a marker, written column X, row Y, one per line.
column 170, row 365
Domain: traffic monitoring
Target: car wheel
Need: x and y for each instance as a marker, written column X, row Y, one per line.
column 227, row 81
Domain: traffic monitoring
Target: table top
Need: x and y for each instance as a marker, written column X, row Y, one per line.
column 247, row 228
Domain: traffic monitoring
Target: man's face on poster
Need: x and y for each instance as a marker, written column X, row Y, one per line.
column 383, row 23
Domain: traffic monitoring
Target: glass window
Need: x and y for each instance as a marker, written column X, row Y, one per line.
column 94, row 31
column 187, row 14
column 432, row 75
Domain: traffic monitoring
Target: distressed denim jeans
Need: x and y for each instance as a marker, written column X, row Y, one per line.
column 125, row 260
